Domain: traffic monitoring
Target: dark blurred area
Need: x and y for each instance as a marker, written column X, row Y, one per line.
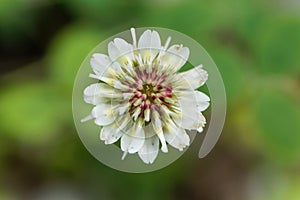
column 255, row 44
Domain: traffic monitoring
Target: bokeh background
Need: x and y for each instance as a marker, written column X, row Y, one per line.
column 256, row 45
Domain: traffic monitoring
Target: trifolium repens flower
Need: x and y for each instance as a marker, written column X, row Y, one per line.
column 141, row 98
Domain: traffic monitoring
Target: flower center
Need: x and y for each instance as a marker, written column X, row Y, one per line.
column 150, row 91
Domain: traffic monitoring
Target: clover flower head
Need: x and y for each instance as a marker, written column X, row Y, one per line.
column 142, row 99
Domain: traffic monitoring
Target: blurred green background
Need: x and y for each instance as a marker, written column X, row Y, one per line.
column 256, row 45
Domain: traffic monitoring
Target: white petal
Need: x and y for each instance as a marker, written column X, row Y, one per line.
column 109, row 75
column 195, row 97
column 167, row 43
column 115, row 83
column 200, row 129
column 99, row 63
column 113, row 51
column 124, row 107
column 200, row 96
column 133, row 140
column 119, row 48
column 91, row 95
column 113, row 132
column 149, row 151
column 180, row 51
column 157, row 126
column 149, row 40
column 133, row 34
column 102, row 90
column 186, row 122
column 147, row 115
column 123, row 122
column 104, row 114
column 192, row 78
column 87, row 118
column 92, row 89
column 149, row 46
column 136, row 113
column 110, row 134
column 148, row 56
column 203, row 105
column 201, row 122
column 202, row 100
column 175, row 57
column 122, row 45
column 176, row 136
column 112, row 71
column 187, row 117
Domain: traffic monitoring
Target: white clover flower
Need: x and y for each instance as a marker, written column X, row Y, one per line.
column 141, row 98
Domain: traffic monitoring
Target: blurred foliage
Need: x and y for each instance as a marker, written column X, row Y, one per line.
column 256, row 46
column 68, row 50
column 233, row 75
column 278, row 117
column 278, row 45
column 268, row 186
column 9, row 11
column 33, row 112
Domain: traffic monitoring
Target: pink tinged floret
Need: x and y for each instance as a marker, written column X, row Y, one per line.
column 144, row 96
column 147, row 104
column 153, row 96
column 137, row 94
column 168, row 92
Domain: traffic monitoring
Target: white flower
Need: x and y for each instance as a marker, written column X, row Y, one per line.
column 141, row 98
